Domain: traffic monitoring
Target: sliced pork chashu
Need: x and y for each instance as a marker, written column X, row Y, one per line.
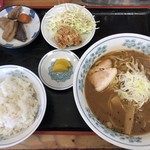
column 102, row 75
column 102, row 78
column 100, row 65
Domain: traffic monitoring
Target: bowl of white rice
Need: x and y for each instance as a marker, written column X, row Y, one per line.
column 22, row 104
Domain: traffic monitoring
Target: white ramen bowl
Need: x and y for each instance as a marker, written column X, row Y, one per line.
column 21, row 72
column 126, row 41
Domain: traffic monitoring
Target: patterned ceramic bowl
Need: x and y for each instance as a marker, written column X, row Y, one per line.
column 57, row 80
column 118, row 41
column 32, row 28
column 19, row 136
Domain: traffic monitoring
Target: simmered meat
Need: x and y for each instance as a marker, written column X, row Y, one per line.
column 67, row 36
column 11, row 27
column 10, row 30
column 21, row 33
column 3, row 22
column 15, row 12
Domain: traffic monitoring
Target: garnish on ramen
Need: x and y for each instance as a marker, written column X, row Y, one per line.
column 117, row 89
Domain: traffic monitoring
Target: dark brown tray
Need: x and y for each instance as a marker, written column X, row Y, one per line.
column 62, row 113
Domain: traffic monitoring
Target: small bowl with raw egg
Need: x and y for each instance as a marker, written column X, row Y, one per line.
column 111, row 88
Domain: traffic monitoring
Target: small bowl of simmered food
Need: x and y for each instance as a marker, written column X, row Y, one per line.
column 22, row 104
column 19, row 26
column 112, row 89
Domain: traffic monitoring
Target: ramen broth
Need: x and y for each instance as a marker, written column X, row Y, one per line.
column 99, row 102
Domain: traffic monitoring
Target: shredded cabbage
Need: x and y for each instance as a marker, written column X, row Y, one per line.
column 135, row 86
column 72, row 17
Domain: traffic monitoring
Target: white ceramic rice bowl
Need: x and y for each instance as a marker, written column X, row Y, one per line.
column 13, row 70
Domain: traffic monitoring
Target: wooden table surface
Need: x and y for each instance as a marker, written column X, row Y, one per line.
column 38, row 3
column 58, row 140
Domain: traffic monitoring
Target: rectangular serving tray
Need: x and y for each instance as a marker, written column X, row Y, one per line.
column 62, row 113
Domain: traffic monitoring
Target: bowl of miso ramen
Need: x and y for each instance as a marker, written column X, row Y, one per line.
column 112, row 89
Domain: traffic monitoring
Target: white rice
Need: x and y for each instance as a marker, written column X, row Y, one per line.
column 18, row 105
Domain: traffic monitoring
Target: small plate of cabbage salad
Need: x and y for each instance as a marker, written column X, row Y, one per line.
column 65, row 21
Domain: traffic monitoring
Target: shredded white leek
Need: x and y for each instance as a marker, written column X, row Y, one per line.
column 72, row 17
column 135, row 86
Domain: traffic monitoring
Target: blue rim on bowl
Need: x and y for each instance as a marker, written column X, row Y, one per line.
column 32, row 29
column 101, row 47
